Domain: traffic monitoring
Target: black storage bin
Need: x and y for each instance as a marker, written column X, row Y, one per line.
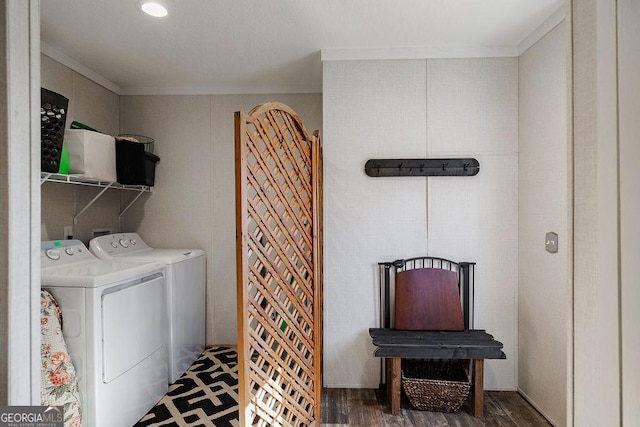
column 53, row 117
column 135, row 166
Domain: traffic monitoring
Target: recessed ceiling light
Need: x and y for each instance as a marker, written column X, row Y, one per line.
column 154, row 9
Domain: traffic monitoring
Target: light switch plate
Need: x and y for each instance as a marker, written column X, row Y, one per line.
column 551, row 242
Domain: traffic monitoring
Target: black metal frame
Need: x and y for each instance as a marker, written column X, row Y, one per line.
column 466, row 279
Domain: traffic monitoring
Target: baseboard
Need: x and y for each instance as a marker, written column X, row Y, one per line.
column 535, row 405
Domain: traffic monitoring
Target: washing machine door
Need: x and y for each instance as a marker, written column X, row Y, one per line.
column 134, row 324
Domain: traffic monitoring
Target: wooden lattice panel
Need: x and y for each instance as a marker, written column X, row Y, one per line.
column 279, row 293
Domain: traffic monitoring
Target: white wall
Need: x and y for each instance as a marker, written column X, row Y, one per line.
column 629, row 102
column 543, row 286
column 415, row 108
column 472, row 111
column 371, row 109
column 193, row 204
column 606, row 90
column 597, row 386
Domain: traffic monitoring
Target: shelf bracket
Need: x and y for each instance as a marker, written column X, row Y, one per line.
column 75, row 218
column 44, row 177
column 135, row 199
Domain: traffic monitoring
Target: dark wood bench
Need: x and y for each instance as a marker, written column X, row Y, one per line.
column 474, row 344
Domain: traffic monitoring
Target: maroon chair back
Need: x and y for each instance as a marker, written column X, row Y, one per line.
column 428, row 299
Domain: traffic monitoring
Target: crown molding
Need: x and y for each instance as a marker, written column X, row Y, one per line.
column 431, row 52
column 54, row 53
column 543, row 29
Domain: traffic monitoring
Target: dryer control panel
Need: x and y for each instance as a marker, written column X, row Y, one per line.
column 59, row 252
column 117, row 244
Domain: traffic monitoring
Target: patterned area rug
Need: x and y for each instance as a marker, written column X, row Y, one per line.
column 206, row 395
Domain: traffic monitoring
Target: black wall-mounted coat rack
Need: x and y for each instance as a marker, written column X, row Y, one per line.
column 421, row 167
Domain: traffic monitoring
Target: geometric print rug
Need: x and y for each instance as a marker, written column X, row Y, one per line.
column 205, row 395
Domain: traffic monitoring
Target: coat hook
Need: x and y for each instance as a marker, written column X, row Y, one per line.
column 421, row 167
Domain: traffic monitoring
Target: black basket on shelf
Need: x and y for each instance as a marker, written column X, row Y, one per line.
column 53, row 117
column 134, row 165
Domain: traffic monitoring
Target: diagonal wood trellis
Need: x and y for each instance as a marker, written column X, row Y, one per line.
column 279, row 262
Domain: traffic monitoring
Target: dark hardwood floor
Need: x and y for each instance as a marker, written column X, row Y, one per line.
column 369, row 407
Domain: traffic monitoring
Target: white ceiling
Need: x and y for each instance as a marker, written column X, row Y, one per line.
column 267, row 46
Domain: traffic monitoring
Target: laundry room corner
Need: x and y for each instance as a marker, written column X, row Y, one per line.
column 193, row 202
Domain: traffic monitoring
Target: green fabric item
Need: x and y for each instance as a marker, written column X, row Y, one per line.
column 78, row 125
column 64, row 161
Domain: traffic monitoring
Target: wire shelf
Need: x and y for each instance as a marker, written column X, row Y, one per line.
column 90, row 182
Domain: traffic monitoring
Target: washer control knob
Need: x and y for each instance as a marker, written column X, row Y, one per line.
column 53, row 254
column 69, row 251
column 114, row 245
column 124, row 243
column 133, row 241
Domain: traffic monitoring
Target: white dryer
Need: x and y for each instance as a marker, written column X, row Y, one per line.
column 186, row 282
column 114, row 324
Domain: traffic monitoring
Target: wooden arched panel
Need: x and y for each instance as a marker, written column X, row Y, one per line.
column 278, row 232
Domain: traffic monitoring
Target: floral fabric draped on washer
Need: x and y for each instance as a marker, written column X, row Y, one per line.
column 59, row 383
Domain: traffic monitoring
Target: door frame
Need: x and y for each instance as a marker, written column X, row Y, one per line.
column 20, row 217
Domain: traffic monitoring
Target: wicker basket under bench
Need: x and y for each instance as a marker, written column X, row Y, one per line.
column 395, row 345
column 436, row 385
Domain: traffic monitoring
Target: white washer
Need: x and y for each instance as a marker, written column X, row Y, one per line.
column 186, row 281
column 114, row 323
